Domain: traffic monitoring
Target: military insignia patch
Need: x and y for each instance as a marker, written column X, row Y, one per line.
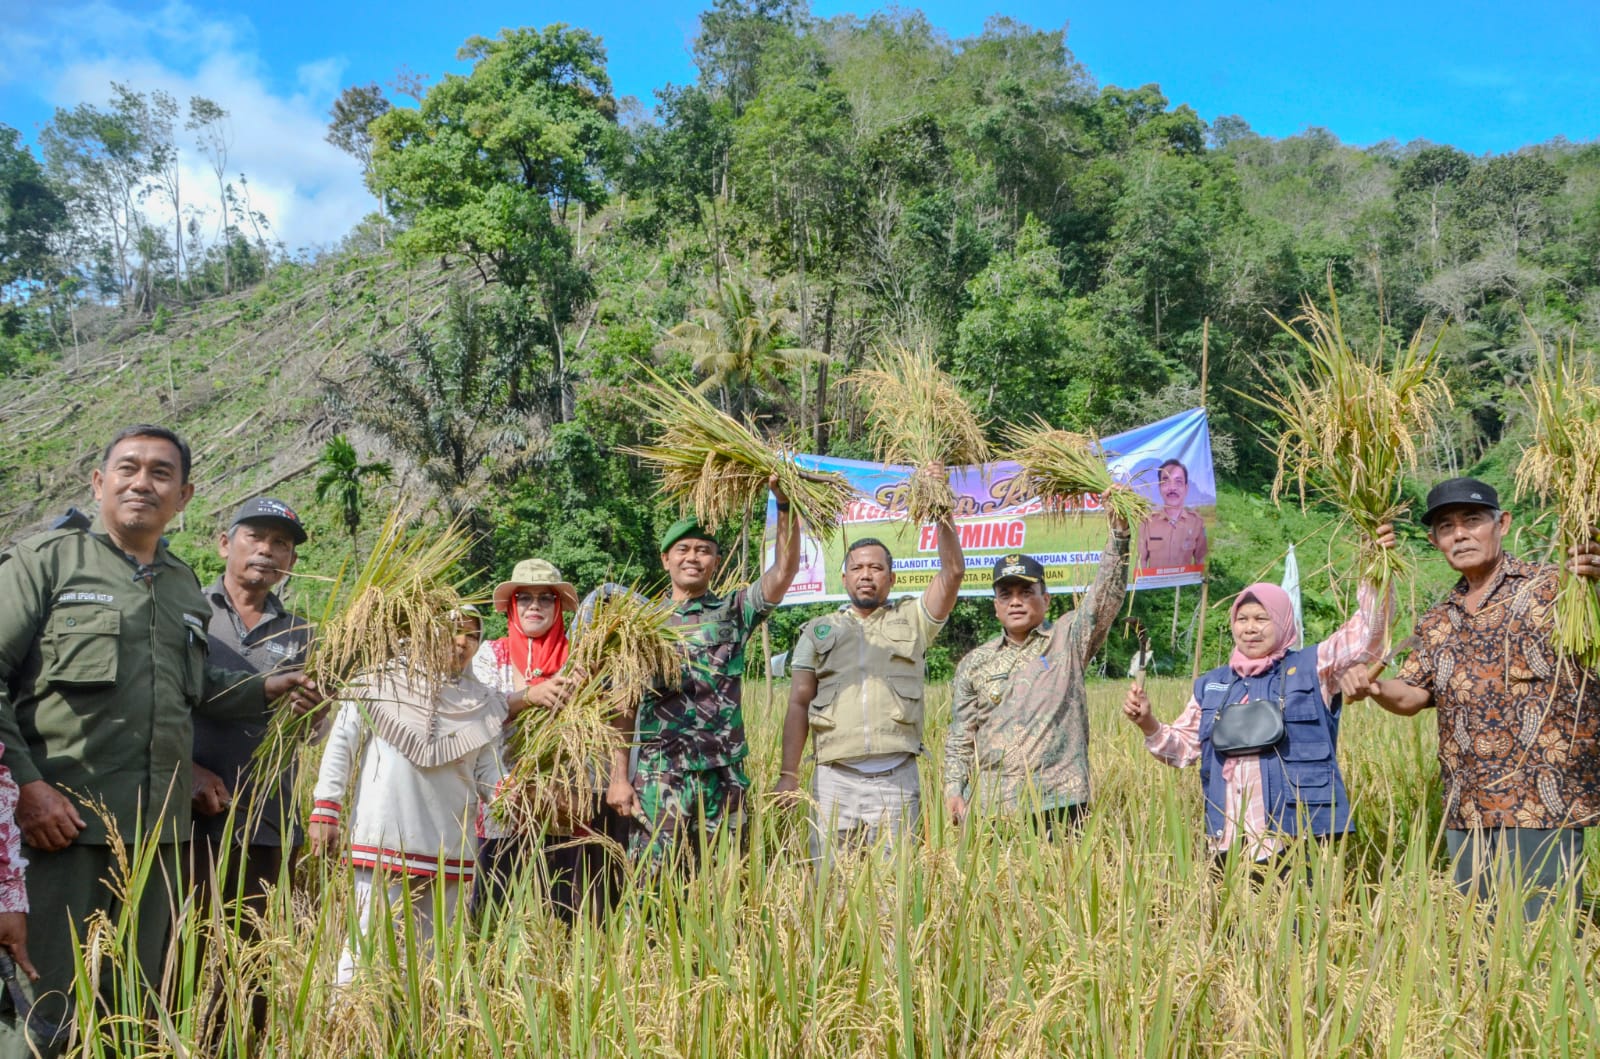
column 823, row 630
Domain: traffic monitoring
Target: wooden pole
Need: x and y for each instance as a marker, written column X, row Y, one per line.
column 1205, row 582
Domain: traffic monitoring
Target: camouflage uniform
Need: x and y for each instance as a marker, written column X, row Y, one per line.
column 690, row 772
column 1019, row 731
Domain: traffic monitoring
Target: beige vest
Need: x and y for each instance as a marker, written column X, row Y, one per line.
column 869, row 684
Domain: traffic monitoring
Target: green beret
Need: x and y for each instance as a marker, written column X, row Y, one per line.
column 685, row 527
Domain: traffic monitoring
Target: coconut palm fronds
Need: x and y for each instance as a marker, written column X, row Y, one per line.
column 622, row 649
column 1561, row 467
column 1352, row 427
column 1063, row 468
column 917, row 417
column 718, row 467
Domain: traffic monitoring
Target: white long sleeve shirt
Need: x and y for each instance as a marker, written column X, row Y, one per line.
column 407, row 818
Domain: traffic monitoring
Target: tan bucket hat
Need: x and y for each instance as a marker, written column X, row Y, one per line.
column 534, row 573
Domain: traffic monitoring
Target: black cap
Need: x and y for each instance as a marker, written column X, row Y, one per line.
column 268, row 509
column 1459, row 491
column 1018, row 568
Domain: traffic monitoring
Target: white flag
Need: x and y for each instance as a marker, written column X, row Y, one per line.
column 1291, row 585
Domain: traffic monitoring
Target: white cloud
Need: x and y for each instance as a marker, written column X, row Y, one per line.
column 311, row 192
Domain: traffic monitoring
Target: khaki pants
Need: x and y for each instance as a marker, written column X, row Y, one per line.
column 854, row 809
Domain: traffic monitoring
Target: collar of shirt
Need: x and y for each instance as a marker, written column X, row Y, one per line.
column 217, row 592
column 704, row 601
column 1510, row 566
column 1038, row 632
column 164, row 557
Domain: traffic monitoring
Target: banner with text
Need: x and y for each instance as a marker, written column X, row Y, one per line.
column 1168, row 461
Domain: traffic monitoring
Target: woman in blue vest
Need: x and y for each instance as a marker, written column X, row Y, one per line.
column 1266, row 782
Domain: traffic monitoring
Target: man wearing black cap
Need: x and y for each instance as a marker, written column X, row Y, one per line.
column 250, row 630
column 1022, row 745
column 1519, row 725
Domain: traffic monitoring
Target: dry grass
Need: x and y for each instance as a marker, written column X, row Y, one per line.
column 918, row 417
column 1561, row 467
column 1352, row 427
column 719, row 468
column 1063, row 468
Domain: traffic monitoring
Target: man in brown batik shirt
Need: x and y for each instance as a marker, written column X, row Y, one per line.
column 1519, row 725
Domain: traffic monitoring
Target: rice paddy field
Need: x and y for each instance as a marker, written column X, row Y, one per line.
column 975, row 941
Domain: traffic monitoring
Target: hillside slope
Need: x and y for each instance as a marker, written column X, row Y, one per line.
column 241, row 377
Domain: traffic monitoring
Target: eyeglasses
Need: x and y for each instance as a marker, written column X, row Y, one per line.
column 536, row 599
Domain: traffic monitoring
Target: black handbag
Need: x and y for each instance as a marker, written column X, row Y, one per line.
column 1248, row 727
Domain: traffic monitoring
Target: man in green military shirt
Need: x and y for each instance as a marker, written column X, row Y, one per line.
column 857, row 690
column 690, row 778
column 1019, row 745
column 103, row 659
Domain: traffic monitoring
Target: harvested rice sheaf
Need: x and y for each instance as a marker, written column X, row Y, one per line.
column 1561, row 467
column 917, row 416
column 1064, row 468
column 622, row 649
column 719, row 468
column 1352, row 427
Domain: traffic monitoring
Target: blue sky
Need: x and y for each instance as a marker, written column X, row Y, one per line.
column 1482, row 76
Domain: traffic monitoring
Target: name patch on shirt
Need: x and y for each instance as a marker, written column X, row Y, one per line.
column 194, row 622
column 85, row 597
column 1212, row 685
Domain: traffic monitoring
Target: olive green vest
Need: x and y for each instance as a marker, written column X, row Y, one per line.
column 869, row 684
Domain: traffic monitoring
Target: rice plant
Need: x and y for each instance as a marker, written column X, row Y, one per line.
column 620, row 652
column 1561, row 467
column 917, row 417
column 983, row 940
column 719, row 468
column 1352, row 427
column 1064, row 468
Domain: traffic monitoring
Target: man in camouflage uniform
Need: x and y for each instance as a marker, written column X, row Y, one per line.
column 689, row 778
column 1018, row 739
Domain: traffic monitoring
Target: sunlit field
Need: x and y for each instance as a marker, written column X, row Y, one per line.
column 979, row 941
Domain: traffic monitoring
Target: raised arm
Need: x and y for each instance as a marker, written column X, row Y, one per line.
column 1093, row 620
column 939, row 598
column 779, row 576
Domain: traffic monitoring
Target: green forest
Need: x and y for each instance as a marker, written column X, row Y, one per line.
column 1091, row 254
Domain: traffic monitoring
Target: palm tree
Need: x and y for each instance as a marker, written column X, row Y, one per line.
column 341, row 479
column 734, row 340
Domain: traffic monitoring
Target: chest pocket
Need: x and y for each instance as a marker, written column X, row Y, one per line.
column 720, row 642
column 821, row 711
column 82, row 646
column 195, row 653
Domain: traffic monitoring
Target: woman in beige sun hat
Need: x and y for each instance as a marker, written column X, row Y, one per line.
column 525, row 666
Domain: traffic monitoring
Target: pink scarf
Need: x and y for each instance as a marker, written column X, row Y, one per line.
column 1278, row 607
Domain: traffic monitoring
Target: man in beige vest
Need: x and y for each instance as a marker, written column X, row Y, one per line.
column 857, row 689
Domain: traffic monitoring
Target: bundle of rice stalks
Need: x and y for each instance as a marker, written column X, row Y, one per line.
column 622, row 650
column 917, row 416
column 719, row 468
column 1063, row 467
column 396, row 609
column 1561, row 466
column 1352, row 428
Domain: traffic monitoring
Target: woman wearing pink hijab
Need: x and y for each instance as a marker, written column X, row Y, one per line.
column 1265, row 727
